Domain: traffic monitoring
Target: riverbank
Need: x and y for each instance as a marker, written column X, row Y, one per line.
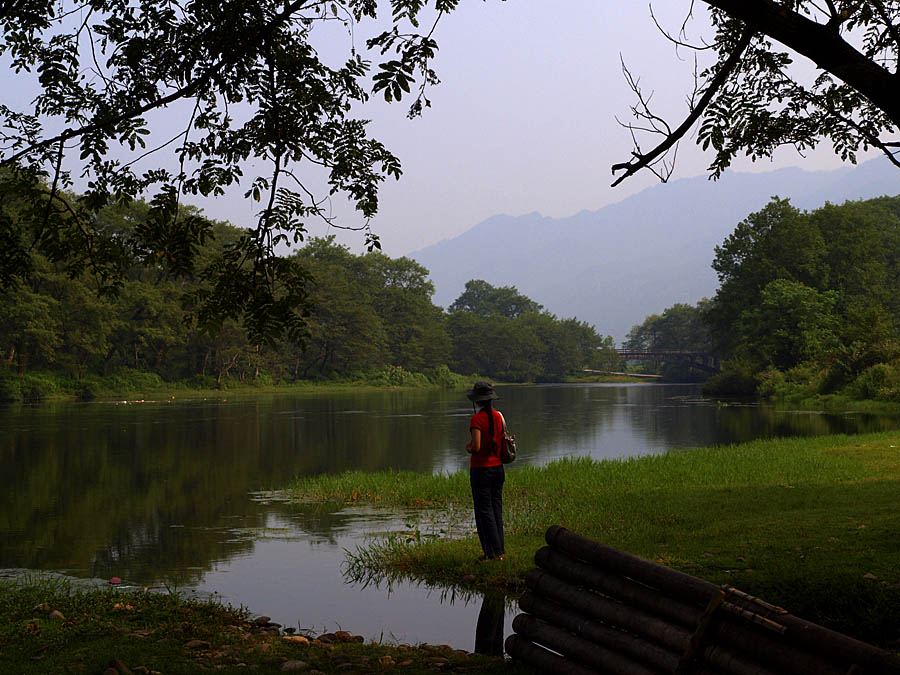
column 136, row 385
column 806, row 523
column 50, row 627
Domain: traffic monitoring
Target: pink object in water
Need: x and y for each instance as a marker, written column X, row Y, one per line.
column 115, row 581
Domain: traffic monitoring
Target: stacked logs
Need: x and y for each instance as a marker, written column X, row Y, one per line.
column 591, row 608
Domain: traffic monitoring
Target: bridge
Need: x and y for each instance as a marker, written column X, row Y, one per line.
column 708, row 363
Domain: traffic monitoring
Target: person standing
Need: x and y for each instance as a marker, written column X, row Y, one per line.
column 486, row 474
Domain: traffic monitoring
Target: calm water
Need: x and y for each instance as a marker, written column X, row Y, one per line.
column 183, row 493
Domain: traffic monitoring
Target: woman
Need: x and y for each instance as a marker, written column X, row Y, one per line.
column 486, row 473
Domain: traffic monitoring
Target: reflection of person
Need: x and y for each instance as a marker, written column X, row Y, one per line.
column 486, row 473
column 489, row 629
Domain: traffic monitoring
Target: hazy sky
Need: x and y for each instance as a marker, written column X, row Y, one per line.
column 524, row 119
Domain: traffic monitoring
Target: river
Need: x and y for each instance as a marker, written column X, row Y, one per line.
column 183, row 494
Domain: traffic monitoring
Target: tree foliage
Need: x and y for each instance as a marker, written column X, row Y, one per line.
column 811, row 290
column 249, row 90
column 504, row 334
column 245, row 88
column 752, row 100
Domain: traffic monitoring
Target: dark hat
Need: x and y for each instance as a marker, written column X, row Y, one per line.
column 481, row 391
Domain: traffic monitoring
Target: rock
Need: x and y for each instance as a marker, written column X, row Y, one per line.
column 294, row 666
column 403, row 664
column 342, row 636
column 57, row 615
column 262, row 620
column 43, row 607
column 120, row 666
column 264, row 648
column 386, row 662
column 297, row 639
column 357, row 638
column 197, row 644
column 327, row 638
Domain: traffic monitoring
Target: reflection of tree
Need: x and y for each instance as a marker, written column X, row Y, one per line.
column 143, row 491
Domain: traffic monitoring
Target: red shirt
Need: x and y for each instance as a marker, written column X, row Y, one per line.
column 487, row 456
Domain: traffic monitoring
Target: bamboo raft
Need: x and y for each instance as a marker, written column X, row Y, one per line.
column 592, row 609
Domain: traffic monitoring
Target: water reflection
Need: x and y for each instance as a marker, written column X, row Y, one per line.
column 489, row 628
column 168, row 492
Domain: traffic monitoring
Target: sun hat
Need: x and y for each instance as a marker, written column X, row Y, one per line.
column 481, row 391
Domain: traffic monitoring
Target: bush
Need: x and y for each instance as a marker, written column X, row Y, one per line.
column 9, row 388
column 38, row 386
column 442, row 376
column 879, row 382
column 731, row 382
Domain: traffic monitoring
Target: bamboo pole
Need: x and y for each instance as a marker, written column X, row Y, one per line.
column 579, row 650
column 543, row 660
column 817, row 639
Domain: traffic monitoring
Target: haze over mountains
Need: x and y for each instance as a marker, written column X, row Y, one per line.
column 614, row 266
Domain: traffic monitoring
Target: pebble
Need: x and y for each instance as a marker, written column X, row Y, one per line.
column 297, row 639
column 120, row 667
column 197, row 644
column 294, row 666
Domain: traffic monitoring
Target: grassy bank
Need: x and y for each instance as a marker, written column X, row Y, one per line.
column 135, row 385
column 810, row 524
column 49, row 627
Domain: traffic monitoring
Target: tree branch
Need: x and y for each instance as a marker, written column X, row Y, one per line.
column 822, row 45
column 643, row 160
column 249, row 42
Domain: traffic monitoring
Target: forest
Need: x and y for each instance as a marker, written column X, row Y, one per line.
column 808, row 304
column 366, row 318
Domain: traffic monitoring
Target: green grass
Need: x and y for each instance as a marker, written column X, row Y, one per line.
column 48, row 626
column 810, row 524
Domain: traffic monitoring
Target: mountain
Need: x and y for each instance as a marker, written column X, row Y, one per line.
column 614, row 266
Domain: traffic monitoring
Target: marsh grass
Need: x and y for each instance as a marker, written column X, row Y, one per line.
column 807, row 523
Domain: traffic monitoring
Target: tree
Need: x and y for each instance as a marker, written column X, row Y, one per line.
column 249, row 89
column 751, row 101
column 247, row 85
column 483, row 299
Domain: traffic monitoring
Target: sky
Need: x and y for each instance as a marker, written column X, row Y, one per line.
column 524, row 119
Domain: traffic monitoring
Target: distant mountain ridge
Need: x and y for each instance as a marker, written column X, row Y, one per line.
column 614, row 266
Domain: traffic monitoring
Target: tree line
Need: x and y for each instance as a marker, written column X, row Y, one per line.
column 808, row 304
column 365, row 316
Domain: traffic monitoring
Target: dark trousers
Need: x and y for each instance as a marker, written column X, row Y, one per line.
column 487, row 496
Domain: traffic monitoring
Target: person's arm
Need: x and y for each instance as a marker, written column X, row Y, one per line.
column 474, row 445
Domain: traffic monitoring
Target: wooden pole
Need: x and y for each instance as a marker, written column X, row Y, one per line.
column 543, row 660
column 818, row 639
column 631, row 645
column 574, row 571
column 598, row 657
column 737, row 634
column 608, row 611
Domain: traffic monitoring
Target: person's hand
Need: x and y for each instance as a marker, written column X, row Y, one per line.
column 469, row 447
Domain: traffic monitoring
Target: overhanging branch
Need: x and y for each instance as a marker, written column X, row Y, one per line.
column 643, row 160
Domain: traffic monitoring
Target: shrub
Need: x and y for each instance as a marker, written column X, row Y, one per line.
column 442, row 376
column 732, row 382
column 9, row 389
column 36, row 387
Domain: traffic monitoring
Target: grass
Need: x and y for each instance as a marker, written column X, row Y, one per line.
column 48, row 626
column 810, row 524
